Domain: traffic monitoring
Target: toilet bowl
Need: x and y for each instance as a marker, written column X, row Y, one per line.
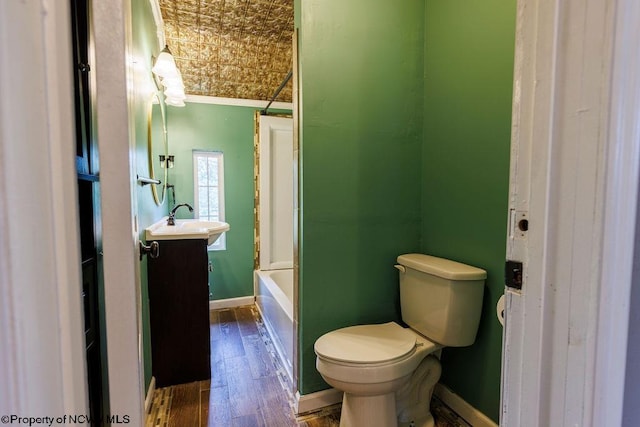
column 387, row 372
column 370, row 363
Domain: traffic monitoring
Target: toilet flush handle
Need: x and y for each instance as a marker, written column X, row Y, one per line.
column 401, row 268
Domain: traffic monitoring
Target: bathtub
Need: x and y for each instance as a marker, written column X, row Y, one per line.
column 274, row 298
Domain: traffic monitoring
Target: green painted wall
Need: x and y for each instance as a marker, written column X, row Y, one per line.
column 361, row 76
column 467, row 116
column 228, row 129
column 144, row 45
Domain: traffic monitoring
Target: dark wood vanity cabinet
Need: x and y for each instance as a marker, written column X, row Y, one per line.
column 179, row 312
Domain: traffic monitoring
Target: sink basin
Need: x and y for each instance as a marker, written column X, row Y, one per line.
column 186, row 229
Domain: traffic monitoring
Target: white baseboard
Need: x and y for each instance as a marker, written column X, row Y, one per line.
column 231, row 302
column 462, row 408
column 318, row 400
column 149, row 398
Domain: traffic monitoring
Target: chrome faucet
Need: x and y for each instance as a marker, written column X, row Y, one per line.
column 172, row 215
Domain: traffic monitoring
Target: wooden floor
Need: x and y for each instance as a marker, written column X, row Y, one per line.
column 246, row 386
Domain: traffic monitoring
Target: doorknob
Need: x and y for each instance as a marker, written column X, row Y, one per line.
column 153, row 249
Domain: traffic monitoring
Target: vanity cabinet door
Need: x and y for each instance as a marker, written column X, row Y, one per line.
column 179, row 311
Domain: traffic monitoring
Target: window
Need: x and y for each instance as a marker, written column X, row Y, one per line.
column 208, row 191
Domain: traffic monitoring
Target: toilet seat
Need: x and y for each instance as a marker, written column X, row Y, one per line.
column 367, row 344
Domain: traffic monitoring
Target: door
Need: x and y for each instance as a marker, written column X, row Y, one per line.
column 87, row 168
column 573, row 195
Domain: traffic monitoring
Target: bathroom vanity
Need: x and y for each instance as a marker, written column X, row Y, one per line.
column 179, row 312
column 179, row 298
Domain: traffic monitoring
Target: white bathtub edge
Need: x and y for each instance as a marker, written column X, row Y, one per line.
column 315, row 401
column 231, row 302
column 279, row 351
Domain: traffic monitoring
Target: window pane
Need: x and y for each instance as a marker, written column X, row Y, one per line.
column 202, row 170
column 208, row 188
column 214, row 211
column 213, row 171
column 203, row 202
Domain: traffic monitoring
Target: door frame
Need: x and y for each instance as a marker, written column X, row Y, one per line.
column 574, row 176
column 42, row 360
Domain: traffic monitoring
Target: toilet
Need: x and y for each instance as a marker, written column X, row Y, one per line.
column 387, row 372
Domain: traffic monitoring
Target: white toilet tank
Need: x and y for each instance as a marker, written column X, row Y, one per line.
column 441, row 299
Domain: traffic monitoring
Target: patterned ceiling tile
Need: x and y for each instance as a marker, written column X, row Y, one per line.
column 231, row 48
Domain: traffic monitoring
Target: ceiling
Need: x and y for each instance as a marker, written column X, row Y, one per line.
column 231, row 48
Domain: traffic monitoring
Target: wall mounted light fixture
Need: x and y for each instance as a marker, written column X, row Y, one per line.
column 166, row 161
column 170, row 78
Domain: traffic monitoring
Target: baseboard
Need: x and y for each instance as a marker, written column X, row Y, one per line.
column 462, row 408
column 231, row 302
column 318, row 400
column 149, row 398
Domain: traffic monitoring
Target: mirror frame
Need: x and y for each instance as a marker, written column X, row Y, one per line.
column 156, row 98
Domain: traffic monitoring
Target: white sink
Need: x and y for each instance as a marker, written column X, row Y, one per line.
column 186, row 229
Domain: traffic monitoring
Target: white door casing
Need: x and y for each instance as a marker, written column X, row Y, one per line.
column 620, row 230
column 42, row 351
column 41, row 334
column 574, row 174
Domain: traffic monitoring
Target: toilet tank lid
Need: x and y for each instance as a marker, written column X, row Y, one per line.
column 441, row 267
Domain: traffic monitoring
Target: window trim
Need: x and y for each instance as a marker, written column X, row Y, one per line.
column 221, row 243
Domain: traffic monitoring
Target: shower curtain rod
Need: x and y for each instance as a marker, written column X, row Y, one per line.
column 275, row 95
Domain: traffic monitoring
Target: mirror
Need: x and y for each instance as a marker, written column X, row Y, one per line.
column 157, row 145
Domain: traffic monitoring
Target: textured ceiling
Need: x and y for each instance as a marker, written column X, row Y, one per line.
column 231, row 48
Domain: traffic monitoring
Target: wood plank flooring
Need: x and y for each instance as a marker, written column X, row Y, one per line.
column 246, row 387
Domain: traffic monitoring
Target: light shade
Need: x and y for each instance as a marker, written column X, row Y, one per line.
column 170, row 77
column 173, row 81
column 174, row 92
column 165, row 64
